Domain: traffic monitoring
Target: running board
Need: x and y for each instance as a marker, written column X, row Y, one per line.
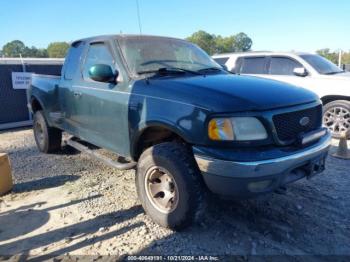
column 82, row 148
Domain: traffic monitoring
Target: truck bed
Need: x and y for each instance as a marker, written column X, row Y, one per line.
column 40, row 79
column 45, row 89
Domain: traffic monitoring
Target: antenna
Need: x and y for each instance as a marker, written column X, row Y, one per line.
column 22, row 62
column 138, row 16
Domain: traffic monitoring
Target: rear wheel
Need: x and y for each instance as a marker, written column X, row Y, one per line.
column 336, row 117
column 48, row 139
column 169, row 185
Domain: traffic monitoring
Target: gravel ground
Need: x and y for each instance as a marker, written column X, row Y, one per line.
column 68, row 203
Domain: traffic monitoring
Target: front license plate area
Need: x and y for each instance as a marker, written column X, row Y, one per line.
column 316, row 166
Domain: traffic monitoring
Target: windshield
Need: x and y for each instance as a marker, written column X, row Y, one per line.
column 321, row 64
column 147, row 54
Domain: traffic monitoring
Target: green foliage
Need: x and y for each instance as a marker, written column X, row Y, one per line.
column 204, row 40
column 334, row 56
column 57, row 49
column 14, row 49
column 17, row 48
column 35, row 52
column 346, row 58
column 326, row 53
column 217, row 44
column 224, row 44
column 242, row 43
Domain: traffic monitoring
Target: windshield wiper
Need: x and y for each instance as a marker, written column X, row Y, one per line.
column 169, row 70
column 210, row 69
column 216, row 69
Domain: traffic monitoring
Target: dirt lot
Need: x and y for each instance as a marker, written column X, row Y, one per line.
column 70, row 204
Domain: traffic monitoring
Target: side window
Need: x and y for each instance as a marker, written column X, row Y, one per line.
column 253, row 65
column 283, row 66
column 221, row 60
column 72, row 60
column 98, row 53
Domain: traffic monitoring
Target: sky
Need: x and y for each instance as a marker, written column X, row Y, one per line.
column 276, row 25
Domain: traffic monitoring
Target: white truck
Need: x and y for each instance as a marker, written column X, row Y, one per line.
column 305, row 70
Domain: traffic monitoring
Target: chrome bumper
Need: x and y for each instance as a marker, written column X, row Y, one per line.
column 265, row 167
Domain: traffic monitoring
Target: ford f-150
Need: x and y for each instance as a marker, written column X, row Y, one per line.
column 185, row 123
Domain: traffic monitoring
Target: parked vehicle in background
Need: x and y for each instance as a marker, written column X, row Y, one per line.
column 306, row 70
column 164, row 104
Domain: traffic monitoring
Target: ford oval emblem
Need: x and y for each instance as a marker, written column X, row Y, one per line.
column 304, row 121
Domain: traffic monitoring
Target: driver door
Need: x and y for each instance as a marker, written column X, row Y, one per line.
column 101, row 106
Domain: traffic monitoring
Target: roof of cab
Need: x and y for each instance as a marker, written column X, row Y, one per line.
column 120, row 36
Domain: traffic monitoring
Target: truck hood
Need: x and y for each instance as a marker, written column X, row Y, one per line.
column 230, row 93
column 342, row 76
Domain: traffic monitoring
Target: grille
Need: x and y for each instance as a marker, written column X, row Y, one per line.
column 288, row 125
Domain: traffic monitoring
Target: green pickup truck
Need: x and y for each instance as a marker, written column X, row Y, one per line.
column 188, row 126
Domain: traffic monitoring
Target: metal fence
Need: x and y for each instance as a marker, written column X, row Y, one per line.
column 13, row 102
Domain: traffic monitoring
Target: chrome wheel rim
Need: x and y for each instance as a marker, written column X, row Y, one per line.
column 39, row 134
column 161, row 189
column 337, row 119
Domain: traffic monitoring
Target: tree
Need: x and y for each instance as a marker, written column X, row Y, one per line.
column 14, row 49
column 326, row 53
column 346, row 58
column 204, row 40
column 224, row 44
column 218, row 44
column 242, row 43
column 35, row 52
column 57, row 49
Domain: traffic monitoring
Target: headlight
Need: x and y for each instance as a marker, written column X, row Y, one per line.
column 236, row 129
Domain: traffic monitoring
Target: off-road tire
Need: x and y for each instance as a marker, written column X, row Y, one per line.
column 48, row 139
column 335, row 106
column 178, row 160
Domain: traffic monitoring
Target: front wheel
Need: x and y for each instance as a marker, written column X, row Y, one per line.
column 169, row 185
column 336, row 117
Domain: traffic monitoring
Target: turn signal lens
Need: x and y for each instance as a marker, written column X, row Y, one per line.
column 220, row 129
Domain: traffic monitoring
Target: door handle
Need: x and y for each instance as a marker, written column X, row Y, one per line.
column 77, row 94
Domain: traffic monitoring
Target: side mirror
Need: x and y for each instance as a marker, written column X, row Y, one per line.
column 103, row 73
column 300, row 71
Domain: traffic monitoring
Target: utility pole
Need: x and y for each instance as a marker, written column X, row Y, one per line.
column 339, row 59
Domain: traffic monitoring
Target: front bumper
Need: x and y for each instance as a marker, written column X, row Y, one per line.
column 247, row 179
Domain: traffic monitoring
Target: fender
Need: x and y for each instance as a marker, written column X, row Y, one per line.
column 30, row 104
column 143, row 126
column 329, row 98
column 41, row 104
